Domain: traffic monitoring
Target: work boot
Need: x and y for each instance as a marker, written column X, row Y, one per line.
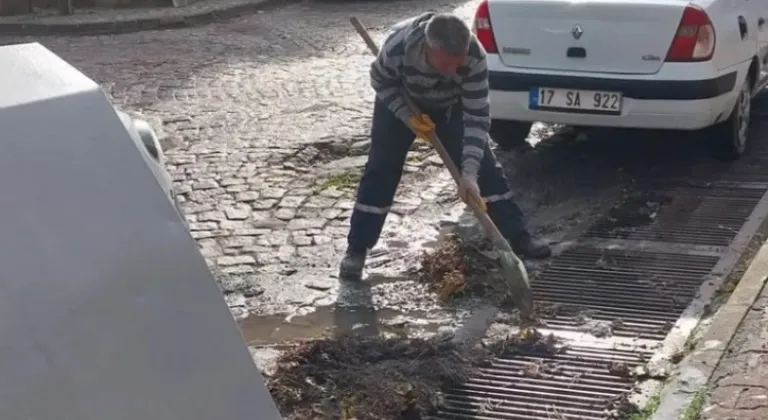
column 352, row 265
column 525, row 247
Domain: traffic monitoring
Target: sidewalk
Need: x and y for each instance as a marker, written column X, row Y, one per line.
column 107, row 21
column 739, row 385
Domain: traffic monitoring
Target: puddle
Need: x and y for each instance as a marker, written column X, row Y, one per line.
column 336, row 320
column 330, row 320
column 383, row 304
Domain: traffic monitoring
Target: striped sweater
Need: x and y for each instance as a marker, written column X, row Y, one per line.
column 402, row 63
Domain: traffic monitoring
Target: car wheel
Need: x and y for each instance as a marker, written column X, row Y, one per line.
column 731, row 135
column 509, row 134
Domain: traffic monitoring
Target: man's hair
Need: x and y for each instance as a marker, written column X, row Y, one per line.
column 448, row 33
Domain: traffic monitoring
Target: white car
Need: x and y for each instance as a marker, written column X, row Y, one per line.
column 655, row 64
column 145, row 139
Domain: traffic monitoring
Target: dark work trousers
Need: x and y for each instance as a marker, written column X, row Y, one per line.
column 390, row 141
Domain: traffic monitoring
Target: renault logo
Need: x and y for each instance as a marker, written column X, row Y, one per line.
column 577, row 32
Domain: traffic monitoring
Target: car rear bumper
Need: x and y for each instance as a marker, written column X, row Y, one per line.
column 636, row 113
column 656, row 101
column 673, row 90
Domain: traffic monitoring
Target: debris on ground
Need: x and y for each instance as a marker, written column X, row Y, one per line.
column 530, row 341
column 368, row 378
column 599, row 329
column 619, row 369
column 542, row 369
column 638, row 208
column 532, row 369
column 540, row 310
column 644, row 372
column 457, row 267
column 617, row 323
column 620, row 407
column 584, row 316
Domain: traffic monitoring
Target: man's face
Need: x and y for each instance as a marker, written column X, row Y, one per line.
column 446, row 64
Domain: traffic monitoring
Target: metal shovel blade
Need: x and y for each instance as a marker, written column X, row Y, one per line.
column 516, row 277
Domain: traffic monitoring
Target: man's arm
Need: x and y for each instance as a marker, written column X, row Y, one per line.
column 476, row 114
column 386, row 79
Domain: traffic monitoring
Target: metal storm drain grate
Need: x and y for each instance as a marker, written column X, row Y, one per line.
column 699, row 215
column 637, row 294
column 755, row 173
column 602, row 290
column 640, row 294
column 580, row 383
column 751, row 168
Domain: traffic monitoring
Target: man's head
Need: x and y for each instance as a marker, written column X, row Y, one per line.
column 448, row 40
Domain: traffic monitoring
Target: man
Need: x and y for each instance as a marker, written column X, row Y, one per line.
column 439, row 63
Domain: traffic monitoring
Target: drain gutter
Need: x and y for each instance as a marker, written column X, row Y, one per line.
column 673, row 263
column 679, row 334
column 695, row 371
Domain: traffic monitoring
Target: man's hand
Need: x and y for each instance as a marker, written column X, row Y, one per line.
column 469, row 190
column 422, row 125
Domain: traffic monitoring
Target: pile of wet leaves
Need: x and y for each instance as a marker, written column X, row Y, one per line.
column 375, row 378
column 368, row 378
column 456, row 268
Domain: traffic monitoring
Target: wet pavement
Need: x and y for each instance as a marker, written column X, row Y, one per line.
column 267, row 116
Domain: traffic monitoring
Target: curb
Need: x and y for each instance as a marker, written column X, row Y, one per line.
column 105, row 27
column 695, row 371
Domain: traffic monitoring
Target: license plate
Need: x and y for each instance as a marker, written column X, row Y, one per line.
column 576, row 100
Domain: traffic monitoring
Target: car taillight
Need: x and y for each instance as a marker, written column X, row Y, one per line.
column 695, row 37
column 482, row 28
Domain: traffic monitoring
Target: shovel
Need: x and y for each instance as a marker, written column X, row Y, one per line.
column 512, row 268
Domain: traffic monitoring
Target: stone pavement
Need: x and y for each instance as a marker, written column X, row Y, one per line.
column 739, row 387
column 271, row 217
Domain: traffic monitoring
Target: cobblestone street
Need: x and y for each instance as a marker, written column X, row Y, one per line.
column 250, row 107
column 266, row 118
column 276, row 80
